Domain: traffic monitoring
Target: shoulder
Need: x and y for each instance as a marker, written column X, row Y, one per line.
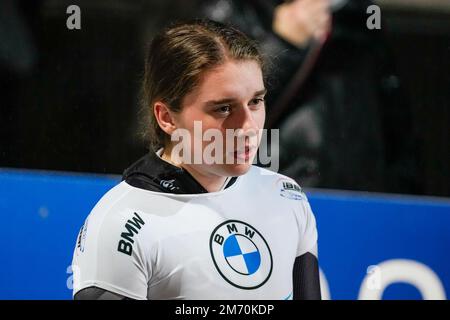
column 285, row 193
column 109, row 217
column 112, row 246
column 124, row 208
column 125, row 197
column 262, row 174
column 117, row 230
column 278, row 183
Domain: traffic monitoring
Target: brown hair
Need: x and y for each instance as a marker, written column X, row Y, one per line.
column 175, row 60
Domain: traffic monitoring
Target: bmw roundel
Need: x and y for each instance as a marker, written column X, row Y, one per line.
column 241, row 254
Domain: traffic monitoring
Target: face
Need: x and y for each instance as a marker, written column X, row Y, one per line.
column 228, row 104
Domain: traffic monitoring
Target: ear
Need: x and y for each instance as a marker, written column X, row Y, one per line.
column 164, row 117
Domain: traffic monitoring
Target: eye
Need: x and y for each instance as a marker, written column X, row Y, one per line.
column 226, row 109
column 256, row 101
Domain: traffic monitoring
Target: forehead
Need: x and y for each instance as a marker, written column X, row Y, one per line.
column 233, row 79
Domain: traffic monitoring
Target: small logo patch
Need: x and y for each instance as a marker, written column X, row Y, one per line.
column 82, row 236
column 291, row 190
column 168, row 184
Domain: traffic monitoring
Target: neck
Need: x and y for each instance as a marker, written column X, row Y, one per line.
column 210, row 182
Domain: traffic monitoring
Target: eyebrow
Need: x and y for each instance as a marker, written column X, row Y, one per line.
column 229, row 100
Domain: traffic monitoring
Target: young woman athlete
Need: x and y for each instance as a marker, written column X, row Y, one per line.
column 219, row 228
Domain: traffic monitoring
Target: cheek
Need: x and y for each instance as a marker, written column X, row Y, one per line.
column 191, row 118
column 198, row 124
column 261, row 118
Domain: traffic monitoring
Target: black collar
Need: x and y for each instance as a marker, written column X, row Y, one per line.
column 153, row 173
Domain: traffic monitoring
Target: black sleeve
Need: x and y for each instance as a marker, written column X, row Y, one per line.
column 306, row 278
column 94, row 293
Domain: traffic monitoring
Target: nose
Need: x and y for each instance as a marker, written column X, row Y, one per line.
column 245, row 120
column 246, row 126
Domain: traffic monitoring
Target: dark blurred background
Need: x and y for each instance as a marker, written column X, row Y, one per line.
column 377, row 99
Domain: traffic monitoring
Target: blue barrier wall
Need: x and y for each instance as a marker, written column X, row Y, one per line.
column 43, row 211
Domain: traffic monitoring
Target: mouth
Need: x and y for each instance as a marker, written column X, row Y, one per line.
column 244, row 154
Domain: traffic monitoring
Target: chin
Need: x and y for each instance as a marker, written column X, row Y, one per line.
column 234, row 170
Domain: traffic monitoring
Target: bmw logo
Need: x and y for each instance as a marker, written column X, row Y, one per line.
column 241, row 254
